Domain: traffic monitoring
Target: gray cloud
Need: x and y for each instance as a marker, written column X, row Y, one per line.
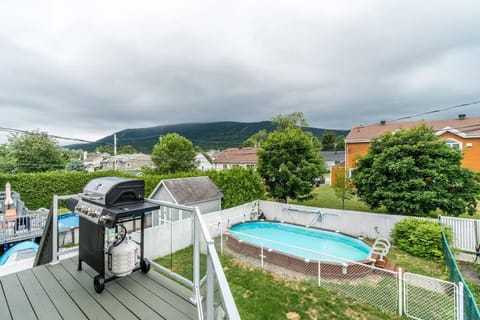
column 87, row 69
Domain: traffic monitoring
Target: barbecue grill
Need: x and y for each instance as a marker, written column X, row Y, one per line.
column 108, row 203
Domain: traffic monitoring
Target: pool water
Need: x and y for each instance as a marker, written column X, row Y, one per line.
column 335, row 246
column 67, row 221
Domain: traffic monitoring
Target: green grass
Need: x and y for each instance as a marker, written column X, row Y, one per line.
column 263, row 295
column 324, row 197
column 409, row 263
column 181, row 262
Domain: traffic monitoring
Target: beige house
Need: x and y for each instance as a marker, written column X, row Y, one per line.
column 236, row 157
column 93, row 162
column 128, row 162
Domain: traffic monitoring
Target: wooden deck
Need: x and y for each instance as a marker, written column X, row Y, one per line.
column 61, row 292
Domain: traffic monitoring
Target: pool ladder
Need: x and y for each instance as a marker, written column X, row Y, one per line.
column 380, row 249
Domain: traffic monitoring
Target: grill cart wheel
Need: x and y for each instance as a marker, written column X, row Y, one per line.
column 99, row 283
column 145, row 265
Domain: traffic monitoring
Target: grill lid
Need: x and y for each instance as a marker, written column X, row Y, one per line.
column 113, row 191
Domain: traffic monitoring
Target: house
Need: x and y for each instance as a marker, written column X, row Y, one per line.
column 198, row 192
column 332, row 157
column 93, row 162
column 462, row 133
column 236, row 157
column 202, row 163
column 128, row 162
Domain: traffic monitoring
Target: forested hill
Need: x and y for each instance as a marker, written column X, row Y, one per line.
column 214, row 135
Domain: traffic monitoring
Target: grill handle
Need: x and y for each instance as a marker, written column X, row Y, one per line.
column 89, row 196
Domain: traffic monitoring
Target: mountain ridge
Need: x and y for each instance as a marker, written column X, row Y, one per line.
column 206, row 135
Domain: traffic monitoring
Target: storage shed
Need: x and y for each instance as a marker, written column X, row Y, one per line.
column 195, row 191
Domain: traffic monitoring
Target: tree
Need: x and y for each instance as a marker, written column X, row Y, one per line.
column 128, row 149
column 173, row 153
column 295, row 119
column 328, row 140
column 35, row 152
column 256, row 139
column 288, row 162
column 105, row 149
column 339, row 143
column 7, row 162
column 75, row 165
column 342, row 186
column 413, row 172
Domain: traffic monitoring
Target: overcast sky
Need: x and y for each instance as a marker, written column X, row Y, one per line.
column 86, row 68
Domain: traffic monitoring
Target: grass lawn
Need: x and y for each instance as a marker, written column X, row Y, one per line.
column 263, row 295
column 324, row 197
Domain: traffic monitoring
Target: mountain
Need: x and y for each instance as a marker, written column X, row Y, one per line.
column 214, row 135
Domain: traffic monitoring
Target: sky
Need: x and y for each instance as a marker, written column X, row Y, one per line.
column 86, row 69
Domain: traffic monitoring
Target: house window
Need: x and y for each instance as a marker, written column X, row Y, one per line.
column 454, row 144
column 225, row 166
column 351, row 171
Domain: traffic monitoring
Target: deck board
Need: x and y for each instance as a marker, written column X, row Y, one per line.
column 157, row 304
column 178, row 299
column 44, row 308
column 62, row 292
column 116, row 309
column 61, row 300
column 17, row 300
column 4, row 310
column 82, row 299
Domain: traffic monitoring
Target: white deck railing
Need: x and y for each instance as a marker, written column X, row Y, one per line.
column 22, row 227
column 204, row 289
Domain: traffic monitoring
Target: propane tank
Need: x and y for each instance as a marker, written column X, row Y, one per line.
column 122, row 258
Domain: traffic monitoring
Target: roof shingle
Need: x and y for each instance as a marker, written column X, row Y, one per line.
column 188, row 191
column 469, row 127
column 238, row 155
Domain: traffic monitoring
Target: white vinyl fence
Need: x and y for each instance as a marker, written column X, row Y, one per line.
column 407, row 294
column 176, row 234
column 355, row 223
column 466, row 232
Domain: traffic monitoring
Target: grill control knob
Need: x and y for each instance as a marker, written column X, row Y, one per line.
column 104, row 219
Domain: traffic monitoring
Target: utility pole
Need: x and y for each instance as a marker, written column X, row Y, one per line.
column 114, row 151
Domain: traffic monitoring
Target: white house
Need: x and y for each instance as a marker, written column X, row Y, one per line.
column 195, row 191
column 202, row 162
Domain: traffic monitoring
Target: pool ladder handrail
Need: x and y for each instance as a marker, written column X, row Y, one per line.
column 380, row 248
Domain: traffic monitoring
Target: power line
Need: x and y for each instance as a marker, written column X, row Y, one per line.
column 13, row 130
column 437, row 110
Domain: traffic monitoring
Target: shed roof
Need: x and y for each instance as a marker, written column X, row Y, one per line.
column 467, row 128
column 187, row 191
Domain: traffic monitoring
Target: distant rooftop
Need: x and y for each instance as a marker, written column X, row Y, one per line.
column 463, row 126
column 238, row 155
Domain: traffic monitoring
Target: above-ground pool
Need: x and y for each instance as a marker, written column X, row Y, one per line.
column 67, row 221
column 290, row 239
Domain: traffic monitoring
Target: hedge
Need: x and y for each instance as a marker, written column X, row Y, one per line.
column 37, row 189
column 421, row 238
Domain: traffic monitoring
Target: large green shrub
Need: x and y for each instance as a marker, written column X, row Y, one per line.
column 421, row 238
column 37, row 189
column 238, row 186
